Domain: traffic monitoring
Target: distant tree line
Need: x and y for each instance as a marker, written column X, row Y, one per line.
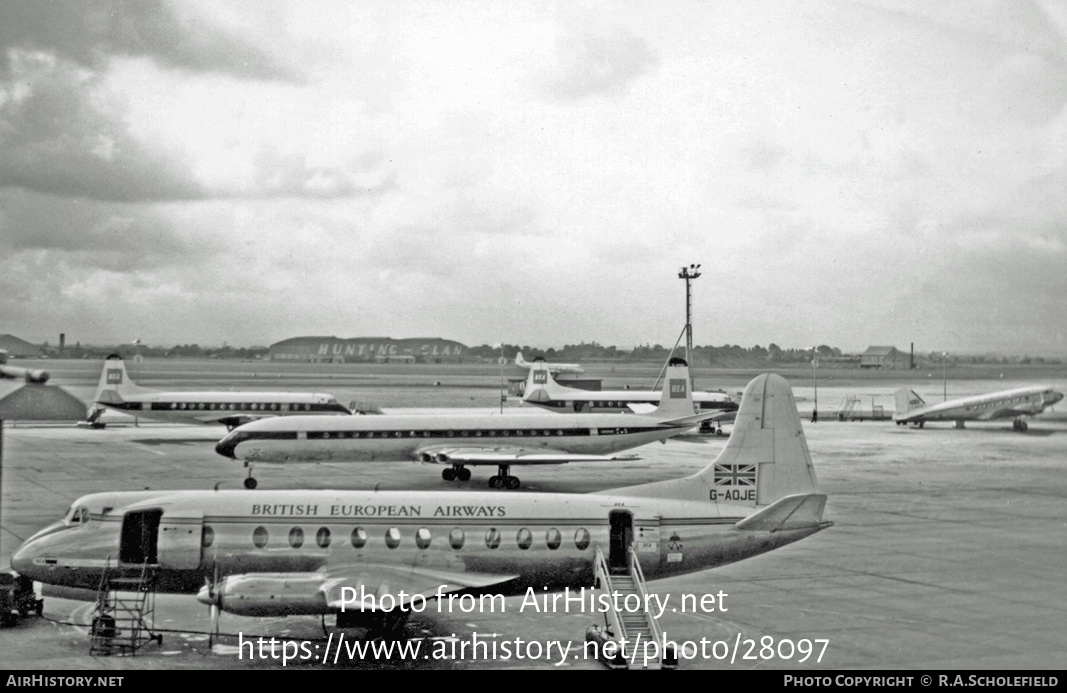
column 725, row 356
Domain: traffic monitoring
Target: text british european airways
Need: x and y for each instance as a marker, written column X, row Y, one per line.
column 310, row 510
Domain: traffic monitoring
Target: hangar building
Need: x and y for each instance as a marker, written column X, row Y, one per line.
column 884, row 357
column 367, row 350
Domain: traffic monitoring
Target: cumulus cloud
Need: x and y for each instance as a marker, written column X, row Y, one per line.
column 91, row 32
column 63, row 136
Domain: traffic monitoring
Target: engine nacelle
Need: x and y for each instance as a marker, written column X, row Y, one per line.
column 267, row 594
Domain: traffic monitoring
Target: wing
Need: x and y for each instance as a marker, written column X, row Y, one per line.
column 347, row 585
column 508, row 454
column 1002, row 413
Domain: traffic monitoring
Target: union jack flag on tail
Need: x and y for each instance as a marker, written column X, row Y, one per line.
column 735, row 475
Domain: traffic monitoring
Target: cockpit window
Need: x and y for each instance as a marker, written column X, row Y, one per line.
column 77, row 516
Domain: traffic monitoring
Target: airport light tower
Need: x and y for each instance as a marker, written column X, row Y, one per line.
column 688, row 274
column 944, row 379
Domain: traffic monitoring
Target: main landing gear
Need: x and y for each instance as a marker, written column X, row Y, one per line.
column 503, row 479
column 456, row 472
column 1019, row 425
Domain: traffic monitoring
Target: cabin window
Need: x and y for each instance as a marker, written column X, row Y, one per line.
column 392, row 537
column 524, row 539
column 492, row 538
column 455, row 538
column 296, row 537
column 422, row 538
column 259, row 537
column 359, row 538
column 322, row 537
column 207, row 536
column 553, row 538
column 581, row 539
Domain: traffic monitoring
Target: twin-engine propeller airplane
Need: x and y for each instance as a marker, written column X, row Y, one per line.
column 545, row 391
column 553, row 367
column 229, row 407
column 463, row 440
column 1006, row 404
column 279, row 553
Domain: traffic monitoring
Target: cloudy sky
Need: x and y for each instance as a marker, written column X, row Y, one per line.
column 846, row 173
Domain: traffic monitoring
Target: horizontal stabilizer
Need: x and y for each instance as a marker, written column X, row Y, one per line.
column 791, row 512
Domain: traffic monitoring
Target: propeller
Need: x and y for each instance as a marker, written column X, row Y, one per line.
column 213, row 603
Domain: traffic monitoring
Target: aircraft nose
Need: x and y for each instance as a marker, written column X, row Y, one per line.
column 227, row 447
column 1055, row 397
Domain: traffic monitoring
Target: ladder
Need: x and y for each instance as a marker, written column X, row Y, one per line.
column 638, row 637
column 124, row 610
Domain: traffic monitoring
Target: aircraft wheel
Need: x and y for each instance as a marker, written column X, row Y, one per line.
column 512, row 482
column 448, row 474
column 493, row 481
column 251, row 483
column 463, row 474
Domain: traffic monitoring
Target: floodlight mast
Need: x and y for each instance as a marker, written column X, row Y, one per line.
column 688, row 274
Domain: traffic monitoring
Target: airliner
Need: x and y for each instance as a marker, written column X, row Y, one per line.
column 30, row 375
column 343, row 552
column 545, row 391
column 462, row 440
column 1007, row 404
column 229, row 407
column 553, row 367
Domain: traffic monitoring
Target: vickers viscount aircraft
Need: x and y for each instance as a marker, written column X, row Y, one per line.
column 342, row 552
column 463, row 440
column 545, row 391
column 30, row 375
column 553, row 367
column 1007, row 404
column 229, row 407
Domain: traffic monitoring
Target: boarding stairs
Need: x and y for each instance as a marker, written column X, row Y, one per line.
column 632, row 630
column 124, row 610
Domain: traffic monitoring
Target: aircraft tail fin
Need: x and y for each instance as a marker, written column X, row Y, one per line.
column 115, row 383
column 907, row 400
column 521, row 362
column 676, row 400
column 765, row 460
column 540, row 385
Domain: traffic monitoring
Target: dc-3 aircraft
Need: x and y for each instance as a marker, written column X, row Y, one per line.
column 545, row 391
column 229, row 407
column 553, row 367
column 463, row 440
column 1006, row 404
column 354, row 554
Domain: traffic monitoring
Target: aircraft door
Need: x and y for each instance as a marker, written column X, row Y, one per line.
column 179, row 545
column 138, row 542
column 621, row 536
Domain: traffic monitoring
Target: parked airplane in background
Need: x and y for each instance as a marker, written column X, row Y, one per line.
column 369, row 557
column 553, row 367
column 1007, row 404
column 30, row 375
column 545, row 391
column 462, row 440
column 229, row 407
